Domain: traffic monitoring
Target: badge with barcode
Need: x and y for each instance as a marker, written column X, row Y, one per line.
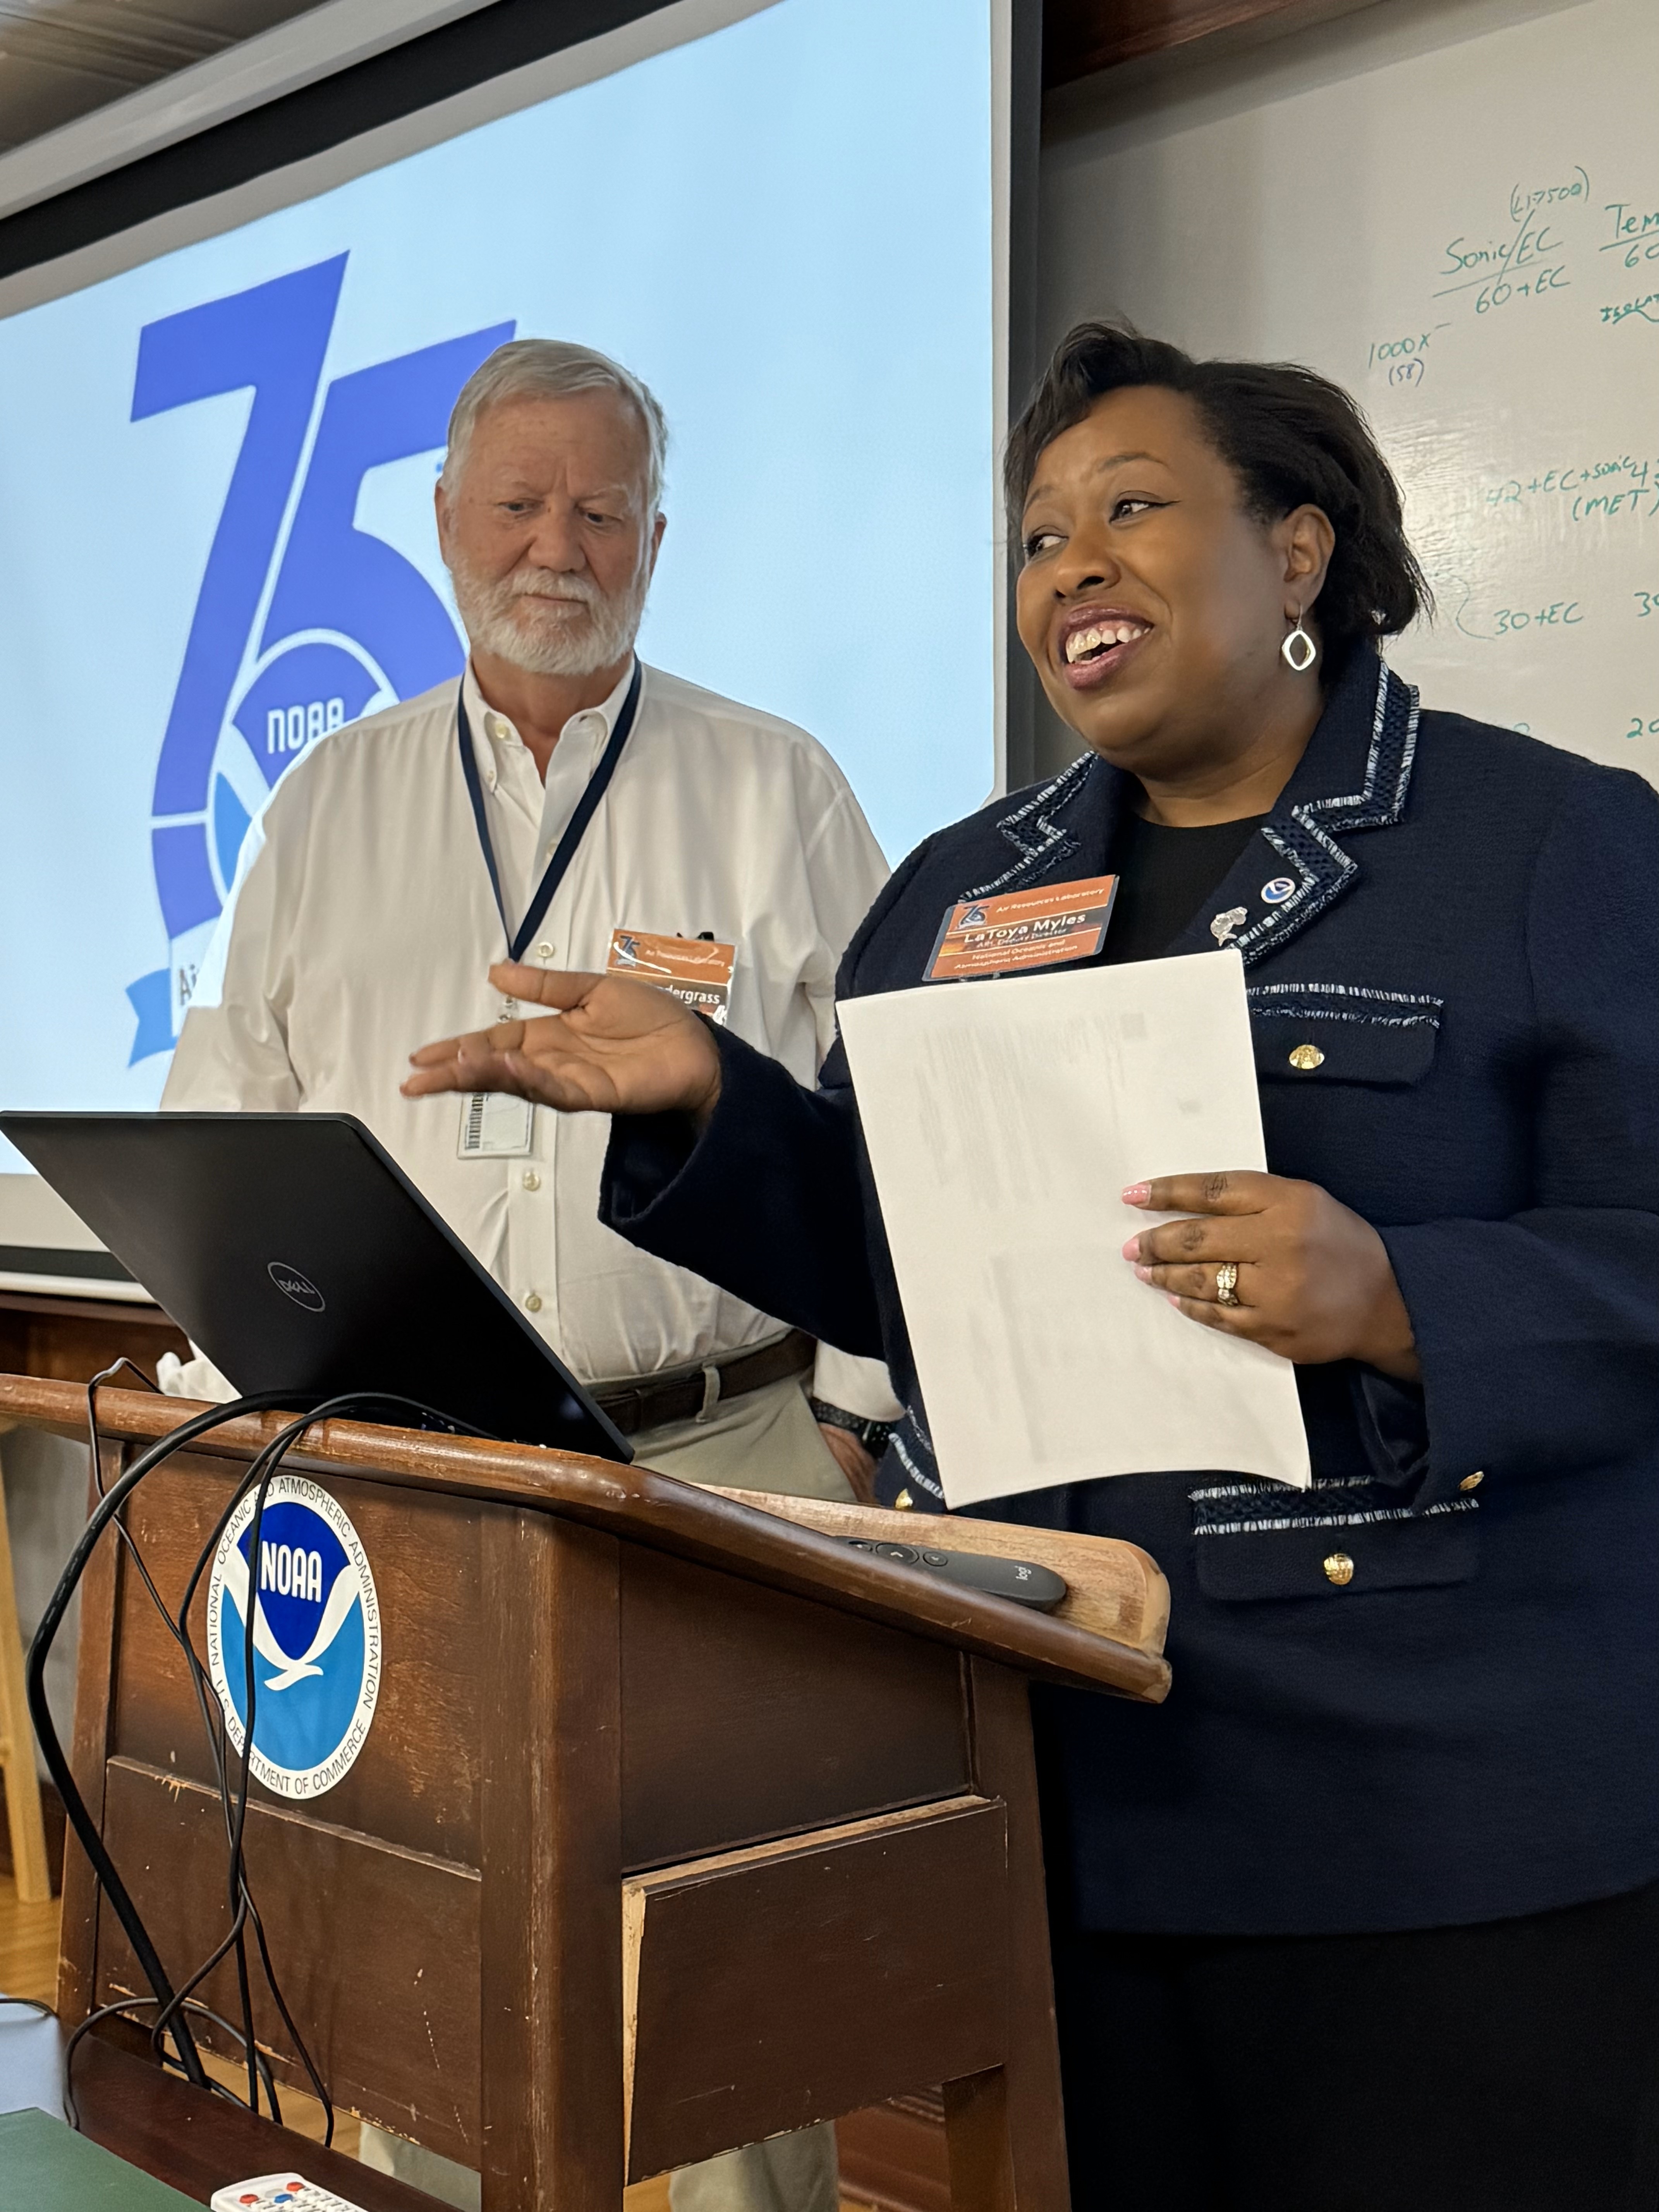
column 1023, row 929
column 496, row 1125
column 696, row 970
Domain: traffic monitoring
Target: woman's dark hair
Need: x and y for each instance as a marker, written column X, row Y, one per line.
column 1292, row 438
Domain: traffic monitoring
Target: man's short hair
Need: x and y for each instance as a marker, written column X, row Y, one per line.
column 550, row 368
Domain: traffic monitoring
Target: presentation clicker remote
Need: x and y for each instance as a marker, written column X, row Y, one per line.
column 1022, row 1580
column 279, row 2192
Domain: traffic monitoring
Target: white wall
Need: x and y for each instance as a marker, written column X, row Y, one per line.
column 1334, row 197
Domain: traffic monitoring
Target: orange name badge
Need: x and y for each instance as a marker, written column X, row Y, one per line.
column 694, row 969
column 1023, row 929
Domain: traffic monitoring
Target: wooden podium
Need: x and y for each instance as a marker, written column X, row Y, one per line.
column 680, row 1824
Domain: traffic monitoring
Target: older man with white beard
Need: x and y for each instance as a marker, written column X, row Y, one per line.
column 562, row 800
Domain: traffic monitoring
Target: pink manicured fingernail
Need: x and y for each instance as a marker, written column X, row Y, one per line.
column 1137, row 1194
column 1173, row 1299
column 1132, row 1250
column 1143, row 1274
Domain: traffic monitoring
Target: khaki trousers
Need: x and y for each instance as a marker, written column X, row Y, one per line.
column 765, row 1440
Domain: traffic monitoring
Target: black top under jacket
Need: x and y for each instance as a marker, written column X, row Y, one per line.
column 1466, row 922
column 1164, row 876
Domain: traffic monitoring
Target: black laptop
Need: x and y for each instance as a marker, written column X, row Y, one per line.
column 298, row 1254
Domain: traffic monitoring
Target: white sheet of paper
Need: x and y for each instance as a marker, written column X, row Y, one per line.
column 1003, row 1120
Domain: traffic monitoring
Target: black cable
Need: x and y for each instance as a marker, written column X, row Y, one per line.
column 58, row 1767
column 30, row 2004
column 246, row 1908
column 95, row 1440
column 264, row 1467
column 243, row 1908
column 237, row 1872
column 142, row 2004
column 261, row 1473
column 173, row 2008
column 237, row 1893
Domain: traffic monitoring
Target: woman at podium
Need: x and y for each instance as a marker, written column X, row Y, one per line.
column 1368, row 1914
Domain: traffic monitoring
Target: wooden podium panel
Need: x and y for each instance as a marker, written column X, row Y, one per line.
column 750, row 1715
column 678, row 1824
column 887, row 1930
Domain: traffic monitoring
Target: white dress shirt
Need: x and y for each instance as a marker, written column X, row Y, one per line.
column 362, row 922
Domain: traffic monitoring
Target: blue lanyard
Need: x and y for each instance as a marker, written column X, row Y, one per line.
column 565, row 852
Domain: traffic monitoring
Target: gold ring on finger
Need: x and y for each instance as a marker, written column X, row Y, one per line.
column 1226, row 1283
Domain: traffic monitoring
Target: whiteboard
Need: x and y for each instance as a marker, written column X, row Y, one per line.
column 1463, row 230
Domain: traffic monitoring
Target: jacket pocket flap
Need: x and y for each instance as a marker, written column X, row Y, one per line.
column 1342, row 1033
column 1420, row 1551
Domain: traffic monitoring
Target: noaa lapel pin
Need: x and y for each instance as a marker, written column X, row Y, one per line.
column 1276, row 892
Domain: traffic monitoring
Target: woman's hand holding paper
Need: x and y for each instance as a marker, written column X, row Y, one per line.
column 1314, row 1280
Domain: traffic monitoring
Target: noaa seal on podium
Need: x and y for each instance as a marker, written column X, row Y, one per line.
column 316, row 1637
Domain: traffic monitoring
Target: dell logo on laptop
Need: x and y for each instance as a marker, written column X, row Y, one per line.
column 293, row 1285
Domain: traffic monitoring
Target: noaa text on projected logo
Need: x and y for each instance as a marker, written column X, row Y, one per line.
column 293, row 1285
column 316, row 1637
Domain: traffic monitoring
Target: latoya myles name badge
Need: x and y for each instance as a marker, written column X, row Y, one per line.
column 695, row 970
column 1023, row 929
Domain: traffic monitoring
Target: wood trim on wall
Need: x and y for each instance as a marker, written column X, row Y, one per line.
column 1080, row 38
column 70, row 1340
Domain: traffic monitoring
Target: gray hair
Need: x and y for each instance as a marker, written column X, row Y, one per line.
column 550, row 368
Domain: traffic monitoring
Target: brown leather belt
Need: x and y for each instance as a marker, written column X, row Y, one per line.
column 686, row 1394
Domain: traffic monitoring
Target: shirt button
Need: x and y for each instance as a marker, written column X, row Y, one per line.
column 533, row 1180
column 1339, row 1568
column 1473, row 1481
column 1306, row 1057
column 532, row 1300
column 543, row 951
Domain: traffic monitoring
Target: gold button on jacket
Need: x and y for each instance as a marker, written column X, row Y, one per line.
column 1307, row 1057
column 1339, row 1568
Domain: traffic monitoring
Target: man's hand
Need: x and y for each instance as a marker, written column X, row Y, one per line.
column 1315, row 1282
column 612, row 1046
column 854, row 1463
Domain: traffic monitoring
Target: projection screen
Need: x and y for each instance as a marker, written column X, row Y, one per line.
column 220, row 430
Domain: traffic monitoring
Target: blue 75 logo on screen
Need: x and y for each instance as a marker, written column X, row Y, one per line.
column 303, row 621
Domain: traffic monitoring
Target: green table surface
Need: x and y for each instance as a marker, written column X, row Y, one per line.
column 46, row 2167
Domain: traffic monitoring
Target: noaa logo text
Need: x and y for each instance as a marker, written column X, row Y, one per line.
column 316, row 1637
column 293, row 1285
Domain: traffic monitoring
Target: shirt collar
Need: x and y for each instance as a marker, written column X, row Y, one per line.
column 491, row 728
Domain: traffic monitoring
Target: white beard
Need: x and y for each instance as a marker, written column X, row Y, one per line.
column 546, row 623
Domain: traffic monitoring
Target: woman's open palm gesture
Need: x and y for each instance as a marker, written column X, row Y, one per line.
column 610, row 1046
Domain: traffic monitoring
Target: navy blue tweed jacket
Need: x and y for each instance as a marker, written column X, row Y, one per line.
column 1468, row 1728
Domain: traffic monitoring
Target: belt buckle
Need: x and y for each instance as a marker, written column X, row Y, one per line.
column 711, row 1391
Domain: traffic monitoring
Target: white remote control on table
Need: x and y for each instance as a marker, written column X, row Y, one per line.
column 279, row 2192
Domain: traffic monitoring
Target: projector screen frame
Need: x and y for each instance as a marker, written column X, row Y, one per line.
column 321, row 85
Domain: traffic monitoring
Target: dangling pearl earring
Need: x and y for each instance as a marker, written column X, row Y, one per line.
column 1299, row 649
